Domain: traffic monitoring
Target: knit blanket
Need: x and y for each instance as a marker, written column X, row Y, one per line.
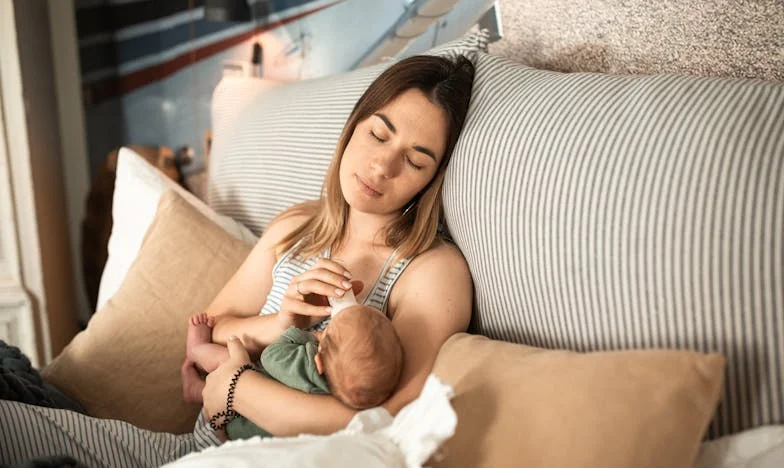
column 19, row 381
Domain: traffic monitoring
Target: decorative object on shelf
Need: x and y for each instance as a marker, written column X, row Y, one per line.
column 227, row 10
column 258, row 59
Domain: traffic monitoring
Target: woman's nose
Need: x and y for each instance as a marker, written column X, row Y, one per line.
column 385, row 163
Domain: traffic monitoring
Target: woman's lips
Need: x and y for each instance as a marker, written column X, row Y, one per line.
column 367, row 188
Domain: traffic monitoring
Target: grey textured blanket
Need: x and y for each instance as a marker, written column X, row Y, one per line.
column 19, row 381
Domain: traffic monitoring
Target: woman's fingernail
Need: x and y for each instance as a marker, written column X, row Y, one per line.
column 329, row 310
column 339, row 292
column 347, row 274
column 233, row 337
column 347, row 284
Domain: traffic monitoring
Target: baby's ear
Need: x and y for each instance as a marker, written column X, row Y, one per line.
column 319, row 363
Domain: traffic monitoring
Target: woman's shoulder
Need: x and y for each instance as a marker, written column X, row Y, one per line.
column 442, row 250
column 437, row 279
column 443, row 261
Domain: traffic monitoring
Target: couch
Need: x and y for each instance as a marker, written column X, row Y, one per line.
column 623, row 234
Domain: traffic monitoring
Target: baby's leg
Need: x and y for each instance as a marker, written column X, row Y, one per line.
column 208, row 356
column 201, row 354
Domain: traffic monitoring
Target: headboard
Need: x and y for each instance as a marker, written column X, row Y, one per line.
column 729, row 38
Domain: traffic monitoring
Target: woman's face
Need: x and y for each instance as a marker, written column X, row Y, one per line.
column 393, row 154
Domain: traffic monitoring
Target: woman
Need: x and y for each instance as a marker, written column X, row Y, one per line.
column 375, row 224
column 381, row 199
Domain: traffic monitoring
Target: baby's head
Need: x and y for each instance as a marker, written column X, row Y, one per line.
column 361, row 356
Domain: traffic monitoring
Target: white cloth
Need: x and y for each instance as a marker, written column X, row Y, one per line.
column 762, row 447
column 372, row 439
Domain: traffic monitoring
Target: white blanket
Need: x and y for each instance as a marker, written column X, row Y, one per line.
column 762, row 447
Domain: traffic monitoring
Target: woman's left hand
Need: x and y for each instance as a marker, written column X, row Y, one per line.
column 216, row 388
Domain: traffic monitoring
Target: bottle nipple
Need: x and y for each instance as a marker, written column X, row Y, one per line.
column 339, row 303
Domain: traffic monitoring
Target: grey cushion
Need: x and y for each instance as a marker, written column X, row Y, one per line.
column 605, row 212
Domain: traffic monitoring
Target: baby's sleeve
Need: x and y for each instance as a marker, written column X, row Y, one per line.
column 289, row 361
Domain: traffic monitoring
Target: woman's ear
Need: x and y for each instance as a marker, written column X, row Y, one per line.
column 319, row 363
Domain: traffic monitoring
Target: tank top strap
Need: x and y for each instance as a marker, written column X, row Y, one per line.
column 378, row 296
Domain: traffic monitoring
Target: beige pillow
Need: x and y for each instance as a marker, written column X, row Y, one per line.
column 126, row 364
column 520, row 406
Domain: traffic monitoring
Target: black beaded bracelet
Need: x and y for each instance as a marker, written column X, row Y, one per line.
column 225, row 417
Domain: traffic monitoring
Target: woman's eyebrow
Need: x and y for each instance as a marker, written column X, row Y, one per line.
column 392, row 129
column 386, row 122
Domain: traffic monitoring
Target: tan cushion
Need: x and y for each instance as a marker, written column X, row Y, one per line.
column 523, row 407
column 126, row 364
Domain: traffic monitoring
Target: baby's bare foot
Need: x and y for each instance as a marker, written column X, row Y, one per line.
column 202, row 319
column 199, row 331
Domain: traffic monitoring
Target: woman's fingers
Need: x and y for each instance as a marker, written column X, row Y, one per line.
column 335, row 266
column 304, row 286
column 306, row 297
column 294, row 305
column 326, row 278
column 237, row 351
column 335, row 281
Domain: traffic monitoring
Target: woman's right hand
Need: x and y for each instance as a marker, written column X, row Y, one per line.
column 305, row 300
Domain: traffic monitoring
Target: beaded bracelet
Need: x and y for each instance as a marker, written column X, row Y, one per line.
column 229, row 414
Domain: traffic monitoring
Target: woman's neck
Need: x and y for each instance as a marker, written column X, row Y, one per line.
column 366, row 229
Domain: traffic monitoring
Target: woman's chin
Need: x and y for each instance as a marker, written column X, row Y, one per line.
column 362, row 204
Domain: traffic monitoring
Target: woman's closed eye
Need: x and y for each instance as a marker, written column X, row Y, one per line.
column 413, row 164
column 409, row 161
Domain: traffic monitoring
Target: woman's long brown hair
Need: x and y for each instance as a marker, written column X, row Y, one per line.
column 447, row 83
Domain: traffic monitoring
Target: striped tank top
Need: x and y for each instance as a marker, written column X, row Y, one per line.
column 287, row 267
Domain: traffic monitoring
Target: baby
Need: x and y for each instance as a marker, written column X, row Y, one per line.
column 357, row 358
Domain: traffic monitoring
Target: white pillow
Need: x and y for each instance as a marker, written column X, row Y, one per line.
column 137, row 189
column 373, row 439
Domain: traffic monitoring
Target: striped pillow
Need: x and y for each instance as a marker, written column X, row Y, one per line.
column 601, row 212
column 271, row 147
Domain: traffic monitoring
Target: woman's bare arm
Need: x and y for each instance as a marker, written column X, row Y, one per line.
column 236, row 307
column 286, row 412
column 432, row 302
column 280, row 410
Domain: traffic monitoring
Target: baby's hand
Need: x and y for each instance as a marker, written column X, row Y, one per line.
column 202, row 319
column 318, row 334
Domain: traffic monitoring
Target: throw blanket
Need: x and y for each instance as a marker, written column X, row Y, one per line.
column 20, row 382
